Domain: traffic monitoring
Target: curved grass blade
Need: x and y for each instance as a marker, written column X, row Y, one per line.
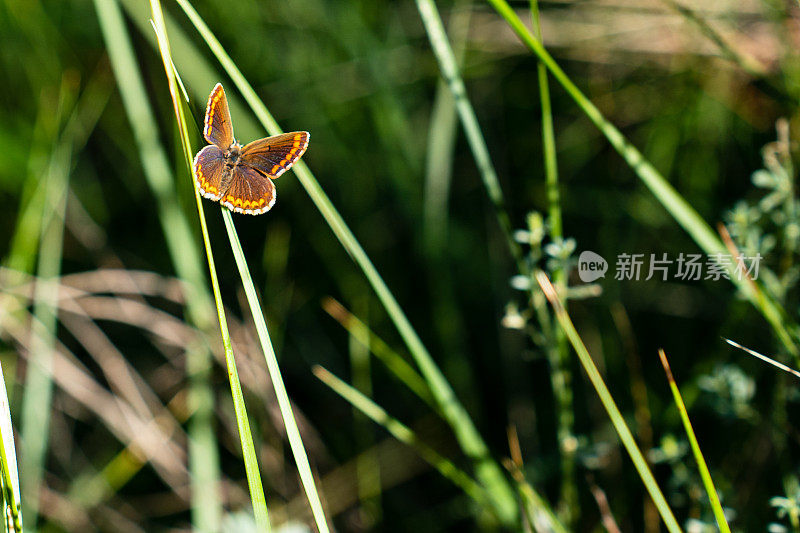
column 405, row 435
column 607, row 400
column 248, row 447
column 708, row 483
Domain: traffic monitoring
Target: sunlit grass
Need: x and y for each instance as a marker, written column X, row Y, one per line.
column 256, row 489
column 439, row 145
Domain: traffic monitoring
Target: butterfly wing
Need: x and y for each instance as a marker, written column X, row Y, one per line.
column 218, row 128
column 208, row 167
column 250, row 192
column 275, row 155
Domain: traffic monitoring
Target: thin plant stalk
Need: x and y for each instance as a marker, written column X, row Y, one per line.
column 683, row 213
column 487, row 470
column 396, row 364
column 708, row 483
column 404, row 434
column 764, row 358
column 245, row 436
column 448, row 65
column 558, row 354
column 607, row 400
column 185, row 256
column 292, row 431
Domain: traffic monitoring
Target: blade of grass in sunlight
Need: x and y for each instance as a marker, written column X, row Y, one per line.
column 8, row 461
column 708, row 483
column 393, row 361
column 607, row 400
column 487, row 470
column 683, row 213
column 405, row 435
column 185, row 256
column 292, row 431
column 769, row 360
column 248, row 447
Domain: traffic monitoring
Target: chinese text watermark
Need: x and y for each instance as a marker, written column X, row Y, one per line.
column 634, row 267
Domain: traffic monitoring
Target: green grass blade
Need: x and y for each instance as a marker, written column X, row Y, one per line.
column 405, row 435
column 292, row 431
column 185, row 256
column 38, row 392
column 245, row 436
column 683, row 213
column 607, row 400
column 535, row 508
column 708, row 483
column 448, row 65
column 442, row 136
column 8, row 461
column 558, row 353
column 396, row 364
column 488, row 471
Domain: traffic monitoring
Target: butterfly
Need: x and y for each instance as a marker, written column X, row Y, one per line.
column 240, row 177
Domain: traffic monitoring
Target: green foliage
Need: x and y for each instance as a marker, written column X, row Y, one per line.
column 435, row 134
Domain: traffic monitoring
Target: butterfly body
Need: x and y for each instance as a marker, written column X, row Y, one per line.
column 240, row 177
column 232, row 155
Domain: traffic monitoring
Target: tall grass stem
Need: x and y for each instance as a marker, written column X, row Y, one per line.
column 487, row 470
column 255, row 487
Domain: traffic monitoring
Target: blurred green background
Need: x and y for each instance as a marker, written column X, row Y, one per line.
column 387, row 148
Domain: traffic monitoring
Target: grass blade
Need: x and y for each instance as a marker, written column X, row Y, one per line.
column 683, row 213
column 248, row 447
column 764, row 358
column 8, row 461
column 448, row 65
column 38, row 393
column 405, row 435
column 292, row 431
column 708, row 483
column 487, row 470
column 185, row 256
column 607, row 400
column 393, row 361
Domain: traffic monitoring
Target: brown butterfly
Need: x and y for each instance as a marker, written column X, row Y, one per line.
column 240, row 178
